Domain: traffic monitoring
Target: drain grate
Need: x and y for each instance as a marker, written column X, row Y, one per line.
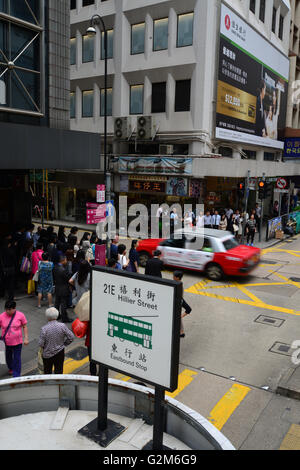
column 277, row 322
column 295, row 279
column 281, row 348
column 266, row 261
column 78, row 353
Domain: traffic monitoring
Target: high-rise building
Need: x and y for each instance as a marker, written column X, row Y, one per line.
column 196, row 98
column 34, row 103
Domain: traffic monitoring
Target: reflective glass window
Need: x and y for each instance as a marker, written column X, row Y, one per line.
column 88, row 103
column 88, row 43
column 109, row 102
column 137, row 38
column 110, row 44
column 160, row 34
column 136, row 99
column 28, row 10
column 185, row 30
column 72, row 105
column 72, row 51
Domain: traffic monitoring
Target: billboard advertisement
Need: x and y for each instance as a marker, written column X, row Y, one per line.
column 252, row 85
column 292, row 147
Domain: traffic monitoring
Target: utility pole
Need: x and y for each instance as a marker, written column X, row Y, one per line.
column 262, row 211
column 246, row 204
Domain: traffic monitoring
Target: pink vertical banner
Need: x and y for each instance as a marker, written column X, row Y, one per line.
column 100, row 251
column 100, row 193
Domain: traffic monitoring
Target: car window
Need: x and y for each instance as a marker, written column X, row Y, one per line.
column 230, row 243
column 207, row 246
column 174, row 243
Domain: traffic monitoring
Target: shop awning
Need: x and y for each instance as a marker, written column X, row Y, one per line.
column 35, row 147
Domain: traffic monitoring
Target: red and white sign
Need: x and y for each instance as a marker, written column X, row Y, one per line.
column 100, row 193
column 227, row 22
column 94, row 216
column 281, row 183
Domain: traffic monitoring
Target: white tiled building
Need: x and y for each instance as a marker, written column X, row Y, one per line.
column 163, row 62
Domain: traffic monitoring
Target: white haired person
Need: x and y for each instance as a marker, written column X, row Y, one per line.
column 54, row 337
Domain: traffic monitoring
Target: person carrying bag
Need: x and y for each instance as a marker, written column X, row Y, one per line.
column 2, row 342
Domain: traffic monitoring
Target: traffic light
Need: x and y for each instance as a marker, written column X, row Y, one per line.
column 241, row 189
column 261, row 189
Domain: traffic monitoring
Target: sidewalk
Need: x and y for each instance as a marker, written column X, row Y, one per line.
column 91, row 228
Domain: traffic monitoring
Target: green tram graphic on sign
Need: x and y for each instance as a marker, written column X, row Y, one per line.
column 130, row 329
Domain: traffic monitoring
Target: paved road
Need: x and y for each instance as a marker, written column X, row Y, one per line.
column 238, row 340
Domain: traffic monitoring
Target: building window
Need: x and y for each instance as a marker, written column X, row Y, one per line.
column 110, row 44
column 72, row 51
column 274, row 16
column 136, row 99
column 137, row 38
column 72, row 105
column 160, row 34
column 159, row 97
column 20, row 85
column 88, row 103
column 183, row 95
column 86, row 3
column 262, row 10
column 250, row 155
column 226, row 152
column 269, row 157
column 88, row 43
column 109, row 102
column 73, row 5
column 252, row 5
column 185, row 30
column 27, row 11
column 281, row 23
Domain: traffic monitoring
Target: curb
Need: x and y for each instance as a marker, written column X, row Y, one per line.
column 289, row 386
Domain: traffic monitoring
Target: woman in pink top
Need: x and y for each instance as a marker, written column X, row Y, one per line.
column 13, row 336
column 36, row 257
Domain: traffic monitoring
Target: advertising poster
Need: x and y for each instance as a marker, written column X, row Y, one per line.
column 177, row 186
column 160, row 165
column 252, row 85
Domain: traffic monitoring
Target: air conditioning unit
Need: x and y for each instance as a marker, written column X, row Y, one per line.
column 122, row 128
column 144, row 128
column 166, row 149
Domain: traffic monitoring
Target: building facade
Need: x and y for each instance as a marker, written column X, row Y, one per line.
column 34, row 103
column 169, row 68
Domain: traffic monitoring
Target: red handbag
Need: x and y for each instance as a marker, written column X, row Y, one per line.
column 80, row 328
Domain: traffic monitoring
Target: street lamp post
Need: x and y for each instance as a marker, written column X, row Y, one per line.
column 91, row 31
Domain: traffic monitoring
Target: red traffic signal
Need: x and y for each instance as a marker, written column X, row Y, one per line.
column 261, row 184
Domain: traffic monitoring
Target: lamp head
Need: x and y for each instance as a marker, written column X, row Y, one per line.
column 91, row 31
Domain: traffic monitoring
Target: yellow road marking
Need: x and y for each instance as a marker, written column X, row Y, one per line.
column 184, row 379
column 289, row 281
column 70, row 364
column 248, row 293
column 292, row 439
column 227, row 405
column 246, row 302
column 123, row 377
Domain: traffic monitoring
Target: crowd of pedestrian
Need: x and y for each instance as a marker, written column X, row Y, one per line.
column 45, row 264
column 240, row 224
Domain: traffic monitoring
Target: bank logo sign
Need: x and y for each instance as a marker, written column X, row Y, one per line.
column 252, row 85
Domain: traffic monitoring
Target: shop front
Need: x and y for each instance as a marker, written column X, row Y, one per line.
column 222, row 192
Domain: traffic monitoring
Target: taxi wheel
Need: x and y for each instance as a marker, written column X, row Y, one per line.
column 143, row 258
column 214, row 272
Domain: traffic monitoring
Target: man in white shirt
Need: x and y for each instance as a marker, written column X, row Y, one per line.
column 207, row 220
column 216, row 220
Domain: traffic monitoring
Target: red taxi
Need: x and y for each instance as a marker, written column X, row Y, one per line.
column 214, row 252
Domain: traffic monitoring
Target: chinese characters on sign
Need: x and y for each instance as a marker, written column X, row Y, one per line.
column 292, row 148
column 133, row 321
column 147, row 186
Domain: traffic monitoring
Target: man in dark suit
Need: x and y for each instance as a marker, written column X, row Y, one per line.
column 62, row 288
column 154, row 266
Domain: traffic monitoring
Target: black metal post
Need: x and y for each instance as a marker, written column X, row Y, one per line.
column 159, row 418
column 102, row 398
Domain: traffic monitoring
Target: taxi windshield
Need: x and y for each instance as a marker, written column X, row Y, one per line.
column 230, row 243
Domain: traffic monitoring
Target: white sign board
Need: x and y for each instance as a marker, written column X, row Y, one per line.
column 135, row 325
